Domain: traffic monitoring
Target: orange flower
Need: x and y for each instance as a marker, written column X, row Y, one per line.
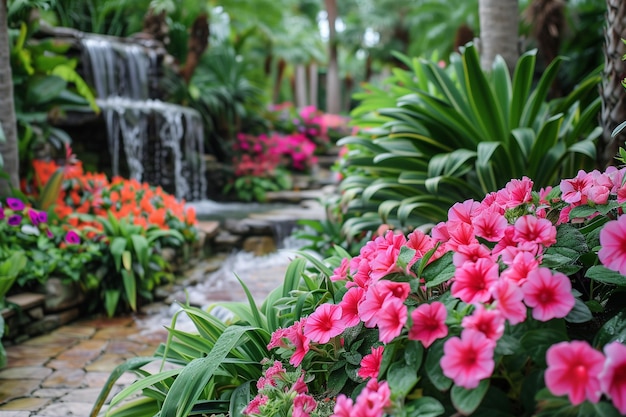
column 157, row 217
column 191, row 216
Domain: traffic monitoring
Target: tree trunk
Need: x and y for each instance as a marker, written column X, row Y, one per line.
column 196, row 45
column 333, row 99
column 499, row 24
column 301, row 86
column 612, row 92
column 8, row 149
column 313, row 82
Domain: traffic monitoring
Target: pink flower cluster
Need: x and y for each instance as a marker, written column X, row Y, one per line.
column 497, row 248
column 371, row 402
column 582, row 373
column 277, row 385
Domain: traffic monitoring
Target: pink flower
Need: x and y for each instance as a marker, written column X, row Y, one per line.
column 253, row 407
column 509, row 298
column 429, row 323
column 420, row 242
column 490, row 225
column 303, row 405
column 521, row 265
column 350, row 306
column 613, row 375
column 300, row 386
column 462, row 212
column 72, row 238
column 533, row 230
column 515, row 193
column 472, row 281
column 392, row 319
column 301, row 343
column 575, row 189
column 343, row 407
column 277, row 339
column 470, row 253
column 341, row 272
column 612, row 254
column 370, row 364
column 324, row 323
column 488, row 322
column 370, row 307
column 549, row 295
column 573, row 369
column 461, row 234
column 372, row 400
column 469, row 359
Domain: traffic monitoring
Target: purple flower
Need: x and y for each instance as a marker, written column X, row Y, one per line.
column 15, row 204
column 72, row 238
column 15, row 220
column 33, row 217
column 49, row 233
column 42, row 216
column 1, row 212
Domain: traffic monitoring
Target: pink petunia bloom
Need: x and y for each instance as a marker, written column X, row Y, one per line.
column 509, row 301
column 469, row 359
column 420, row 242
column 399, row 290
column 470, row 253
column 549, row 295
column 300, row 386
column 488, row 322
column 440, row 233
column 303, row 405
column 276, row 340
column 462, row 212
column 429, row 323
column 391, row 320
column 299, row 340
column 361, row 275
column 370, row 364
column 460, row 234
column 275, row 371
column 472, row 281
column 515, row 193
column 350, row 306
column 385, row 261
column 506, row 241
column 519, row 267
column 341, row 272
column 343, row 407
column 530, row 229
column 613, row 375
column 255, row 404
column 370, row 306
column 575, row 190
column 324, row 323
column 372, row 400
column 612, row 254
column 490, row 225
column 573, row 369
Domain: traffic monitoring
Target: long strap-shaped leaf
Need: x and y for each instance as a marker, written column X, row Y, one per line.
column 187, row 388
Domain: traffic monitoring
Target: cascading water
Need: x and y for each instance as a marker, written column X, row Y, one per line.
column 162, row 143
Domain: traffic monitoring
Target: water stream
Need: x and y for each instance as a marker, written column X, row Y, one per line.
column 160, row 143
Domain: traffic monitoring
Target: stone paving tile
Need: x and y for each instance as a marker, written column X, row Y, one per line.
column 64, row 378
column 67, row 364
column 11, row 413
column 99, row 379
column 26, row 351
column 107, row 362
column 66, row 409
column 105, row 322
column 76, row 331
column 32, row 361
column 11, row 389
column 25, row 372
column 82, row 395
column 51, row 339
column 26, row 404
column 151, row 338
column 112, row 333
column 124, row 347
column 50, row 392
column 84, row 351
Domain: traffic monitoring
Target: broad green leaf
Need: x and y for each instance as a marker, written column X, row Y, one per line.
column 439, row 271
column 467, row 401
column 67, row 73
column 44, row 89
column 433, row 367
column 50, row 192
column 522, row 82
column 111, row 298
column 601, row 274
column 613, row 330
column 424, row 407
column 141, row 249
column 130, row 288
column 580, row 313
column 127, row 260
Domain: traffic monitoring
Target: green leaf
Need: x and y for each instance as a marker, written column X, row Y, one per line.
column 127, row 260
column 602, row 274
column 130, row 288
column 433, row 367
column 467, row 401
column 401, row 378
column 111, row 298
column 51, row 190
column 239, row 399
column 405, row 256
column 69, row 74
column 186, row 389
column 117, row 247
column 141, row 248
column 439, row 271
column 536, row 343
column 580, row 313
column 613, row 330
column 43, row 90
column 424, row 407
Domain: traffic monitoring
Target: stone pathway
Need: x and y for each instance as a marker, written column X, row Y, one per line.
column 62, row 373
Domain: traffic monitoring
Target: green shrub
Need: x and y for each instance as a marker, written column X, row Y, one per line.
column 434, row 136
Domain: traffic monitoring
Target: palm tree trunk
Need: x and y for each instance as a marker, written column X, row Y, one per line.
column 333, row 99
column 499, row 24
column 8, row 149
column 612, row 92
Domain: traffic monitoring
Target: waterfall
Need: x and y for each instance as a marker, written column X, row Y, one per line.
column 161, row 143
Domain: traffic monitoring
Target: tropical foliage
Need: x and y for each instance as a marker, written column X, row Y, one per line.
column 437, row 135
column 512, row 306
column 212, row 369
